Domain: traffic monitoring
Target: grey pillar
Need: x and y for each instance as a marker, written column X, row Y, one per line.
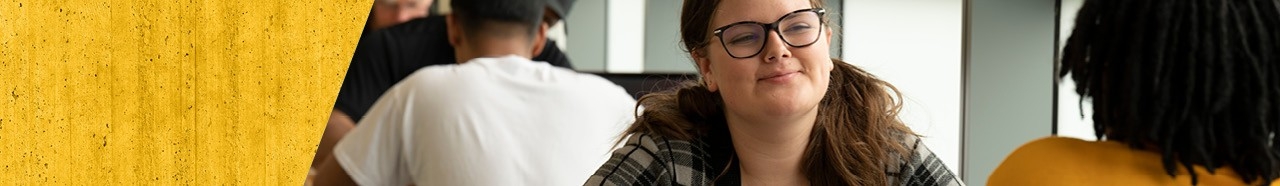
column 1008, row 80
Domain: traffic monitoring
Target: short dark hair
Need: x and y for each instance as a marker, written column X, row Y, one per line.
column 477, row 15
column 1198, row 81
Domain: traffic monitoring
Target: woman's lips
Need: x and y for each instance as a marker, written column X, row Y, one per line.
column 780, row 77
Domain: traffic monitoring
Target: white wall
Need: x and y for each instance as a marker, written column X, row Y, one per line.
column 916, row 46
column 625, row 46
column 1070, row 122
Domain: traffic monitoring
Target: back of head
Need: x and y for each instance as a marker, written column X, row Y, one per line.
column 493, row 18
column 1198, row 81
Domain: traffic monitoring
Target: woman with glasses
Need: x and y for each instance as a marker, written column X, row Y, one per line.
column 771, row 108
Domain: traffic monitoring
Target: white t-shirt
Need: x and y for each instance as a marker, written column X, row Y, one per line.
column 490, row 121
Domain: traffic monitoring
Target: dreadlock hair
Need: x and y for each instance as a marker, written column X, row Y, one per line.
column 1195, row 80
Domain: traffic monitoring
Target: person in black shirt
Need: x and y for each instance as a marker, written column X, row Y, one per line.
column 387, row 13
column 384, row 57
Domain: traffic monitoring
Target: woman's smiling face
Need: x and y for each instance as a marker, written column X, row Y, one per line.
column 780, row 81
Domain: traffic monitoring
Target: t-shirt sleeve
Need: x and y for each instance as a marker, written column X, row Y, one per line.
column 372, row 153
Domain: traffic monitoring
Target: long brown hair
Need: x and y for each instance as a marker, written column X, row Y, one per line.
column 856, row 131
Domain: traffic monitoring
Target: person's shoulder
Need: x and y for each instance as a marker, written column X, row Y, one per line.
column 436, row 77
column 658, row 143
column 437, row 72
column 1051, row 148
column 920, row 166
column 648, row 159
column 1054, row 145
column 648, row 147
column 1053, row 158
column 598, row 85
column 584, row 79
column 594, row 80
column 607, row 92
column 656, row 147
column 1073, row 149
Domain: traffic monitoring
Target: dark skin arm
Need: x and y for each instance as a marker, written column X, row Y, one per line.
column 331, row 173
column 338, row 126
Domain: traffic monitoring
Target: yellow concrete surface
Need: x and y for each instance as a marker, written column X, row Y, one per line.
column 169, row 92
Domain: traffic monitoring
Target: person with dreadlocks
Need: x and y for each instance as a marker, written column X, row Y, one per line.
column 1183, row 93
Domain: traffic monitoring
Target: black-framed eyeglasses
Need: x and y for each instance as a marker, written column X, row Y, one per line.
column 800, row 28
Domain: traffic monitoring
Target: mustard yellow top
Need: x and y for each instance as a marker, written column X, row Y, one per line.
column 1070, row 161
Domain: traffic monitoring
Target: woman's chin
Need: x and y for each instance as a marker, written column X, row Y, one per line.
column 776, row 102
column 789, row 109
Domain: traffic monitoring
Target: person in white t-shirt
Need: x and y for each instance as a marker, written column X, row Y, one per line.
column 497, row 118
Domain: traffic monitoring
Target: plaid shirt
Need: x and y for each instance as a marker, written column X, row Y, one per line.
column 654, row 160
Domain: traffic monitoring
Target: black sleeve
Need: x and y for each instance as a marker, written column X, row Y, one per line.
column 552, row 54
column 384, row 57
column 419, row 43
column 367, row 76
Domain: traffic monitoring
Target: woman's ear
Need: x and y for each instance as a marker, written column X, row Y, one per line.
column 830, row 65
column 829, row 30
column 704, row 69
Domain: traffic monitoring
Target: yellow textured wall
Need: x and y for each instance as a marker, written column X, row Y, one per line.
column 169, row 92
